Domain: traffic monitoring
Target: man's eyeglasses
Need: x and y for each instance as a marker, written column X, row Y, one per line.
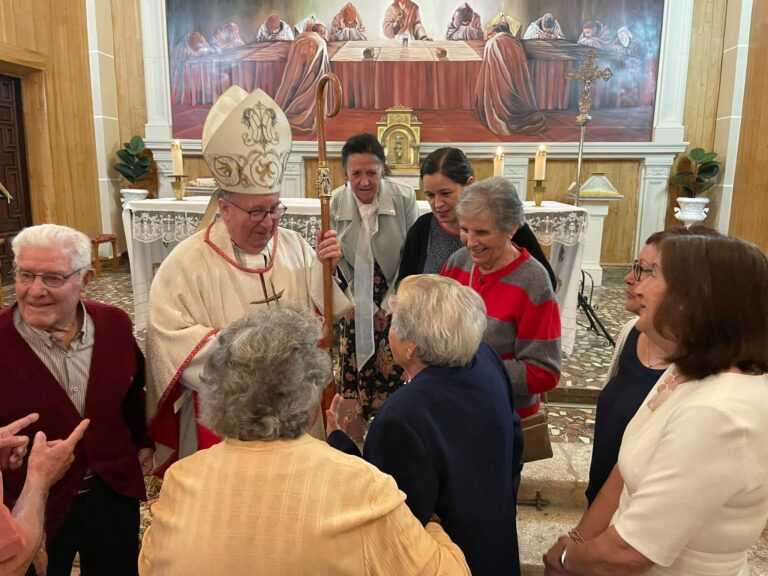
column 638, row 271
column 259, row 214
column 50, row 279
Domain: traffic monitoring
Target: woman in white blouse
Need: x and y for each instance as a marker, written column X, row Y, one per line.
column 689, row 494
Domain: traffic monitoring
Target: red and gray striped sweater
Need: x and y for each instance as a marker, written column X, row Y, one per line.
column 523, row 322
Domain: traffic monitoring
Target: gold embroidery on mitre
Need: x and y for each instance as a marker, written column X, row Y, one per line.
column 250, row 161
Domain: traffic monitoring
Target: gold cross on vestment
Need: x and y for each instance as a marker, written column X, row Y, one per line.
column 587, row 74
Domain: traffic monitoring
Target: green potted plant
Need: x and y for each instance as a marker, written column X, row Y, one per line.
column 694, row 179
column 133, row 164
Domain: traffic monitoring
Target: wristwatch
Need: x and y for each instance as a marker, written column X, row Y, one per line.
column 563, row 556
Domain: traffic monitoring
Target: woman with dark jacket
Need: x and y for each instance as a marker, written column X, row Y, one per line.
column 450, row 437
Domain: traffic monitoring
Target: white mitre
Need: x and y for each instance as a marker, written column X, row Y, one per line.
column 246, row 142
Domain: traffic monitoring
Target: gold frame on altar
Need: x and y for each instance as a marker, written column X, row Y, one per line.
column 399, row 132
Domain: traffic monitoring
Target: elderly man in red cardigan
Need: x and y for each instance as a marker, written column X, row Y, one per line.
column 68, row 359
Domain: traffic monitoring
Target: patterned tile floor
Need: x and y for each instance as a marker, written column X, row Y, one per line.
column 585, row 368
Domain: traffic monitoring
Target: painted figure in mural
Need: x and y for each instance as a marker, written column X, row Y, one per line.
column 511, row 25
column 545, row 28
column 402, row 17
column 274, row 29
column 624, row 42
column 312, row 24
column 227, row 37
column 347, row 24
column 193, row 45
column 307, row 62
column 465, row 24
column 595, row 35
column 504, row 99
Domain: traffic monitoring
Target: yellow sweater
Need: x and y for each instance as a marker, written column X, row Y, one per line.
column 285, row 508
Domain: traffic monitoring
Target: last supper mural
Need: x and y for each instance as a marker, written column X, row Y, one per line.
column 472, row 72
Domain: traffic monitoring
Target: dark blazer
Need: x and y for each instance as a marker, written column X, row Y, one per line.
column 114, row 403
column 452, row 441
column 415, row 248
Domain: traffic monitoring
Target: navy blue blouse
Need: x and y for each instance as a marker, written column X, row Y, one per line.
column 452, row 441
column 616, row 406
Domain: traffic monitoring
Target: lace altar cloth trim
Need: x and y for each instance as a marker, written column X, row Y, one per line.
column 171, row 227
column 568, row 228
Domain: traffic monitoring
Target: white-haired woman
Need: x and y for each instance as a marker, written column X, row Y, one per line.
column 271, row 499
column 450, row 438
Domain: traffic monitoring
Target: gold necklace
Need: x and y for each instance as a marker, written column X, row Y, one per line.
column 648, row 355
column 665, row 389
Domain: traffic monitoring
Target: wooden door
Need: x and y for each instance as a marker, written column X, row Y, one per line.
column 16, row 214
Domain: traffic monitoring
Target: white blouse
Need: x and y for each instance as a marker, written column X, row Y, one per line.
column 695, row 472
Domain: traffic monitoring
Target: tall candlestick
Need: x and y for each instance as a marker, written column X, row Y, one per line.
column 540, row 164
column 498, row 162
column 177, row 159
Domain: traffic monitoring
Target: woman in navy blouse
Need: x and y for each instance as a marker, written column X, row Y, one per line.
column 450, row 437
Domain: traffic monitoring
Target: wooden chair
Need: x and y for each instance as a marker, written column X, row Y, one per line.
column 95, row 242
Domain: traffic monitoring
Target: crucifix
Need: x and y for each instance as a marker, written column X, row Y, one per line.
column 587, row 74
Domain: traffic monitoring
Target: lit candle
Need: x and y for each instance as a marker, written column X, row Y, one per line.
column 540, row 164
column 498, row 162
column 177, row 159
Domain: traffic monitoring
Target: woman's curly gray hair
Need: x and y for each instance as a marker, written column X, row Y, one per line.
column 444, row 319
column 265, row 377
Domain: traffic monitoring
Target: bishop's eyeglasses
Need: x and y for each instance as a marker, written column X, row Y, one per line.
column 258, row 214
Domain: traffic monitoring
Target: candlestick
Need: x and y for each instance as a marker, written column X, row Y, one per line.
column 179, row 187
column 498, row 162
column 177, row 159
column 538, row 192
column 540, row 164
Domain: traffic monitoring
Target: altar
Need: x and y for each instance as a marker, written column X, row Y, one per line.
column 154, row 227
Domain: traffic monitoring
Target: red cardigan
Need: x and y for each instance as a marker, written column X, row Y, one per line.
column 114, row 402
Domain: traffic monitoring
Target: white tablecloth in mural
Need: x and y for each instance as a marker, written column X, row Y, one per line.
column 154, row 227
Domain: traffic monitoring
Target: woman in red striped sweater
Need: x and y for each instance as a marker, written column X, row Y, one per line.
column 523, row 317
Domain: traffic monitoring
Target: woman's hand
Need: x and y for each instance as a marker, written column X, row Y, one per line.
column 328, row 248
column 13, row 447
column 380, row 320
column 146, row 461
column 552, row 566
column 332, row 416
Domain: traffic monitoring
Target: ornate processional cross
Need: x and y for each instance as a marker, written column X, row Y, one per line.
column 587, row 74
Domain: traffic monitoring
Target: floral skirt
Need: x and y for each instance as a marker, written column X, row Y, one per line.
column 380, row 376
